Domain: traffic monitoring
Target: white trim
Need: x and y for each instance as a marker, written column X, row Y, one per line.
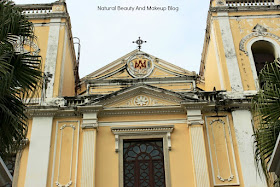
column 213, row 33
column 140, row 123
column 254, row 16
column 251, row 58
column 243, row 127
column 51, row 56
column 39, row 152
column 230, row 54
column 248, row 17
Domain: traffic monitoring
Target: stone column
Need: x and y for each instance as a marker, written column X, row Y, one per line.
column 39, row 152
column 195, row 123
column 89, row 127
column 242, row 120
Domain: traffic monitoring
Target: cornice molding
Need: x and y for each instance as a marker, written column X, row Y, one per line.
column 42, row 112
column 144, row 110
column 90, row 108
column 164, row 130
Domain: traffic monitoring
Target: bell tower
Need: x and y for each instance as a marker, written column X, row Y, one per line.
column 240, row 37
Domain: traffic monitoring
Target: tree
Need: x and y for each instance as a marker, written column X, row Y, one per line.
column 20, row 75
column 266, row 107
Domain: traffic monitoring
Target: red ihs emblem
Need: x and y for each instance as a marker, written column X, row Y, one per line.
column 140, row 64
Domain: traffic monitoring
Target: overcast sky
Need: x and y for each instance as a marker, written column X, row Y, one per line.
column 174, row 36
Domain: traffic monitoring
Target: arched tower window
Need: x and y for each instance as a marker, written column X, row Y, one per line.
column 263, row 51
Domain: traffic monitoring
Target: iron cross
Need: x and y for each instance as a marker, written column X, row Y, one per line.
column 139, row 42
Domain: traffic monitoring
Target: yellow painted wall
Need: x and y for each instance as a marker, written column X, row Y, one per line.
column 211, row 71
column 211, row 68
column 42, row 36
column 63, row 166
column 224, row 166
column 181, row 166
column 68, row 77
column 23, row 159
column 242, row 27
column 42, row 33
column 60, row 54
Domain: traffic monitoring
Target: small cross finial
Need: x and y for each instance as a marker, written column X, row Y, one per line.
column 139, row 42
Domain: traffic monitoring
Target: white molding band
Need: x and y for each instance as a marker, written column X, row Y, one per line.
column 242, row 120
column 51, row 56
column 39, row 152
column 141, row 123
column 198, row 148
column 230, row 54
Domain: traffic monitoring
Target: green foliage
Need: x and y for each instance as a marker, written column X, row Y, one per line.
column 20, row 75
column 266, row 106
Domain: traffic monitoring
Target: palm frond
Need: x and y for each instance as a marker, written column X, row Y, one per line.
column 20, row 75
column 266, row 108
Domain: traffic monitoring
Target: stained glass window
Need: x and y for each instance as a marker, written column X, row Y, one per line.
column 143, row 163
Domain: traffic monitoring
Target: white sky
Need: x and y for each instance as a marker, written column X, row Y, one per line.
column 176, row 37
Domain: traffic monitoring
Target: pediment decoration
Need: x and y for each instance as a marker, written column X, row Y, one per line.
column 141, row 96
column 142, row 100
column 135, row 65
column 257, row 31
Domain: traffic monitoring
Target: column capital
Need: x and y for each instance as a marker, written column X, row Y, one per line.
column 90, row 120
column 194, row 117
column 89, row 125
column 195, row 122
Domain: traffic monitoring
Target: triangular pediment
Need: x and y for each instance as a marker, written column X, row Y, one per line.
column 142, row 96
column 119, row 69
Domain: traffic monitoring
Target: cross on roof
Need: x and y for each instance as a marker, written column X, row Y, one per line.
column 139, row 42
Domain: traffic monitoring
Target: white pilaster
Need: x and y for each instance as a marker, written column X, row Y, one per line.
column 230, row 54
column 242, row 121
column 51, row 56
column 89, row 149
column 195, row 123
column 39, row 152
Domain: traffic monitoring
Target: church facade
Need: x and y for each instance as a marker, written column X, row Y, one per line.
column 142, row 121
